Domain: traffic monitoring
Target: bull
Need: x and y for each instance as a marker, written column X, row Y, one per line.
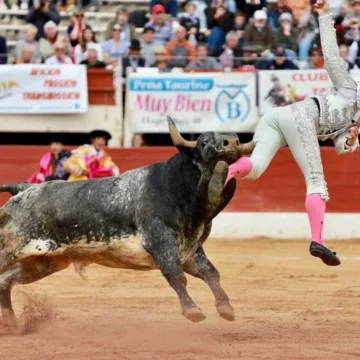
column 153, row 217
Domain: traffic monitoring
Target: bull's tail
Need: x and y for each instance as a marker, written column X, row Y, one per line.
column 16, row 188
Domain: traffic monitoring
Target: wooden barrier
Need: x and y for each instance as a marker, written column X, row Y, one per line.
column 101, row 90
column 281, row 188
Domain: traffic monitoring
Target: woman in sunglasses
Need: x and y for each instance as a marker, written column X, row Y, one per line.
column 77, row 27
column 161, row 61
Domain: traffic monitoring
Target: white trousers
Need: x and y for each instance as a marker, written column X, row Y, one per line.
column 296, row 126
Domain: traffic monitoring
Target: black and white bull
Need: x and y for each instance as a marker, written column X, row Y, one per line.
column 154, row 217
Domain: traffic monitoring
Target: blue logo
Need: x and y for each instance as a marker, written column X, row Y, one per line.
column 232, row 103
column 77, row 106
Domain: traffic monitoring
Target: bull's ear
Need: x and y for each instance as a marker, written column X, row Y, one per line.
column 178, row 140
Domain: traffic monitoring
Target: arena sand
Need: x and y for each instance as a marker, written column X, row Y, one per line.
column 288, row 306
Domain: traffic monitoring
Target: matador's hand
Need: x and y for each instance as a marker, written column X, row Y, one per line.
column 321, row 7
column 354, row 133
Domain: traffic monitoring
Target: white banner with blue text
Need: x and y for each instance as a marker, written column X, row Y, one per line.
column 197, row 102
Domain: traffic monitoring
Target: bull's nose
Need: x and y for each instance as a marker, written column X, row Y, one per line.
column 229, row 143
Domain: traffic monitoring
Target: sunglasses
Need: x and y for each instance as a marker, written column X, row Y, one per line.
column 116, row 29
column 79, row 16
column 160, row 53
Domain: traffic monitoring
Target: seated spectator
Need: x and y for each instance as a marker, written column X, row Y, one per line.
column 171, row 7
column 46, row 44
column 315, row 61
column 298, row 6
column 138, row 140
column 191, row 23
column 87, row 42
column 76, row 28
column 160, row 59
column 148, row 43
column 239, row 27
column 200, row 7
column 51, row 164
column 351, row 21
column 92, row 60
column 91, row 161
column 59, row 57
column 220, row 21
column 287, row 36
column 179, row 51
column 114, row 49
column 27, row 55
column 249, row 7
column 128, row 30
column 344, row 53
column 279, row 9
column 249, row 59
column 163, row 29
column 202, row 61
column 30, row 32
column 230, row 57
column 259, row 33
column 309, row 28
column 41, row 12
column 280, row 62
column 3, row 51
column 133, row 60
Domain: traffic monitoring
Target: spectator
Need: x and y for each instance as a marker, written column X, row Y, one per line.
column 163, row 29
column 148, row 43
column 200, row 7
column 249, row 7
column 354, row 53
column 259, row 33
column 171, row 7
column 30, row 32
column 138, row 140
column 46, row 44
column 3, row 51
column 220, row 21
column 280, row 62
column 114, row 49
column 191, row 23
column 128, row 31
column 298, row 6
column 27, row 55
column 160, row 59
column 239, row 27
column 229, row 5
column 315, row 60
column 309, row 28
column 202, row 61
column 133, row 60
column 231, row 54
column 51, row 164
column 249, row 58
column 41, row 12
column 179, row 51
column 91, row 161
column 344, row 53
column 76, row 28
column 59, row 58
column 92, row 60
column 279, row 9
column 87, row 41
column 287, row 36
column 351, row 21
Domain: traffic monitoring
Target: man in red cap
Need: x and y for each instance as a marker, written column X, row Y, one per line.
column 163, row 29
column 170, row 6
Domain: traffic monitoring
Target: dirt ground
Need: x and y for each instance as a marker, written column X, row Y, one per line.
column 288, row 306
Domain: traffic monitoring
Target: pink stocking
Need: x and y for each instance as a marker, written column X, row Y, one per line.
column 315, row 207
column 240, row 168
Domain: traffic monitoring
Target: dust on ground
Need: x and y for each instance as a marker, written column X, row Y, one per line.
column 288, row 306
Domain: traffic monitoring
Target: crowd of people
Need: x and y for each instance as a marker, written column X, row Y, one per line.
column 209, row 35
column 88, row 161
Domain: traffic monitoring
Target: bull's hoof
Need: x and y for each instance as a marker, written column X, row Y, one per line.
column 226, row 312
column 9, row 323
column 217, row 182
column 194, row 314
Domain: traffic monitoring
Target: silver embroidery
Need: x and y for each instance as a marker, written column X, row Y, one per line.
column 306, row 117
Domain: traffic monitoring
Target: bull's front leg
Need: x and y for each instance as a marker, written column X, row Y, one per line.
column 200, row 266
column 163, row 248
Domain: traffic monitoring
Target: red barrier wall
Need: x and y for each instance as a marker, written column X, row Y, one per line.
column 281, row 188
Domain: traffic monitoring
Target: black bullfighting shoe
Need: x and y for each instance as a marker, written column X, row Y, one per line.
column 327, row 256
column 217, row 182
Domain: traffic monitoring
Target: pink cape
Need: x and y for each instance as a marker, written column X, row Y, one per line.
column 44, row 168
column 96, row 170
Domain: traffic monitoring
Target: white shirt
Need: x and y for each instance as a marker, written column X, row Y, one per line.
column 80, row 56
column 53, row 60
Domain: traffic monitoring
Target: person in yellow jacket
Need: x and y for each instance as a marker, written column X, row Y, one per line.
column 91, row 161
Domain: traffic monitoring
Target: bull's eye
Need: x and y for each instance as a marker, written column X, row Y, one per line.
column 237, row 142
column 204, row 143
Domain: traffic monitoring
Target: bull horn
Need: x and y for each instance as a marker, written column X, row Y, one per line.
column 176, row 138
column 246, row 149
